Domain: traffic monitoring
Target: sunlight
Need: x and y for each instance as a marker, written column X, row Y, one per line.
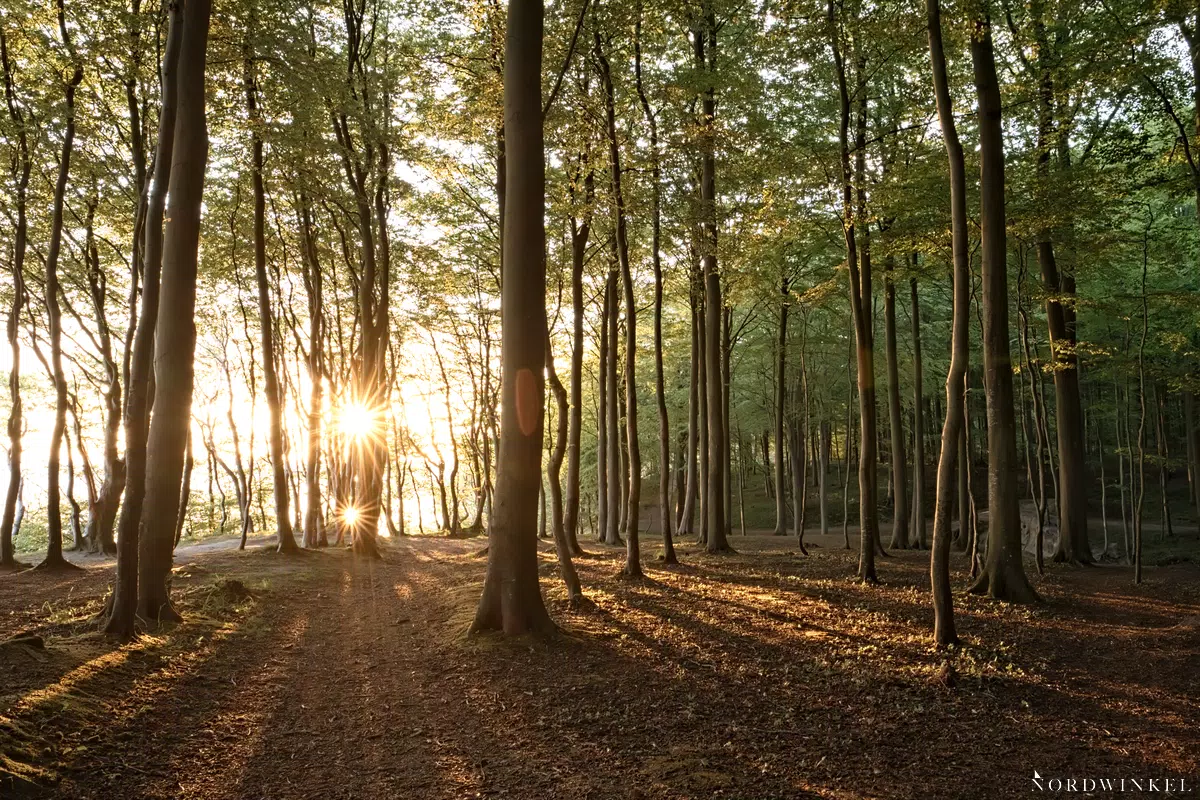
column 350, row 516
column 357, row 421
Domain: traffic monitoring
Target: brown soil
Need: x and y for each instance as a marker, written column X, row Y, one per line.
column 758, row 675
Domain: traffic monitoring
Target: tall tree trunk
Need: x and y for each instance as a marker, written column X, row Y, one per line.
column 918, row 496
column 952, row 431
column 900, row 520
column 688, row 512
column 283, row 521
column 1003, row 575
column 175, row 338
column 22, row 165
column 562, row 548
column 314, row 523
column 705, row 47
column 860, row 305
column 54, row 557
column 633, row 566
column 780, row 394
column 580, row 232
column 665, row 517
column 124, row 601
column 616, row 484
column 512, row 600
column 602, row 423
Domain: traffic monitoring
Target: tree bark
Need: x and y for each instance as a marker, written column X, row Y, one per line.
column 175, row 338
column 1003, row 575
column 900, row 520
column 633, row 566
column 780, row 394
column 137, row 418
column 944, row 633
column 21, row 167
column 283, row 521
column 919, row 528
column 54, row 557
column 512, row 600
column 705, row 47
column 860, row 304
column 665, row 516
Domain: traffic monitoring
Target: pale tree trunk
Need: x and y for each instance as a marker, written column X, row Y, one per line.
column 580, row 232
column 175, row 338
column 616, row 485
column 314, row 523
column 602, row 423
column 512, row 600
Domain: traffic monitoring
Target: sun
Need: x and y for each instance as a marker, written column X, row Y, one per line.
column 357, row 421
column 350, row 516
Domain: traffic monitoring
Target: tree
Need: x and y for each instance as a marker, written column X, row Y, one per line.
column 283, row 523
column 54, row 557
column 1003, row 575
column 952, row 429
column 512, row 600
column 175, row 338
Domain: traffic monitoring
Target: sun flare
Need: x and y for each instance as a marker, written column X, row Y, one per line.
column 357, row 421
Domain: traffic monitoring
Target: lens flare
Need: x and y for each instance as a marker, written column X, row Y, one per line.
column 357, row 421
column 350, row 516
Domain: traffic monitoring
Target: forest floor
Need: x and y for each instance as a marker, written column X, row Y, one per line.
column 758, row 675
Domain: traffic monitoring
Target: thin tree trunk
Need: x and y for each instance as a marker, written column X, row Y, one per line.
column 944, row 633
column 900, row 520
column 918, row 496
column 54, row 557
column 20, row 171
column 283, row 521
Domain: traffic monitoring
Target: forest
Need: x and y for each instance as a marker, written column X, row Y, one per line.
column 475, row 398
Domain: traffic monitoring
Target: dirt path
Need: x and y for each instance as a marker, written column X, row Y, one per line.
column 753, row 676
